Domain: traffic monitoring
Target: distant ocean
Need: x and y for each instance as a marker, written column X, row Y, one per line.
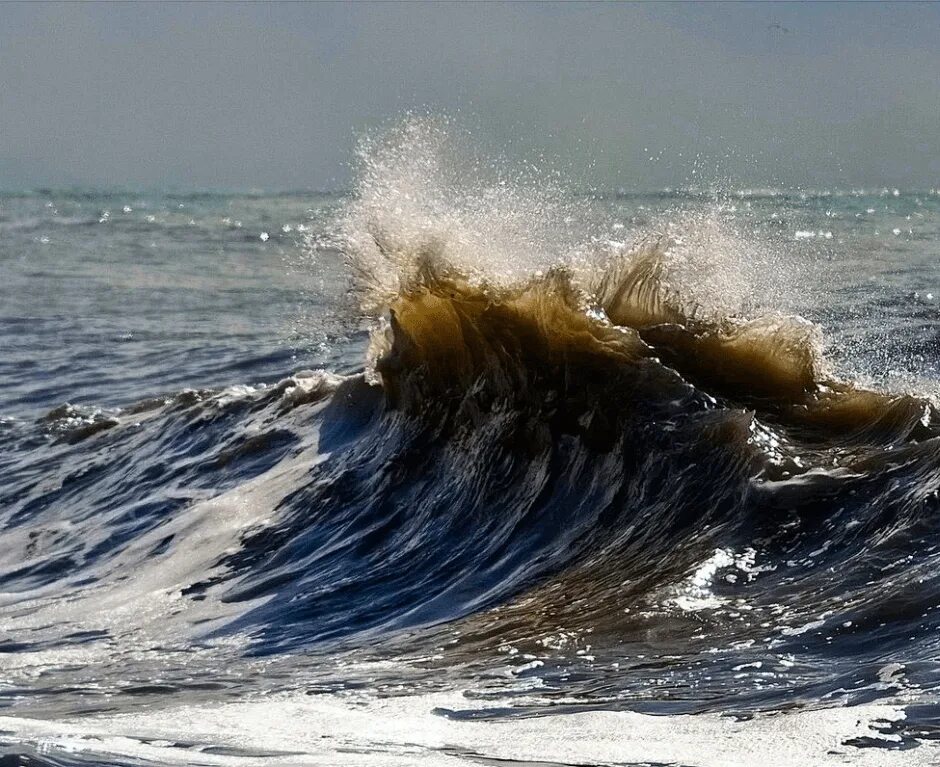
column 463, row 466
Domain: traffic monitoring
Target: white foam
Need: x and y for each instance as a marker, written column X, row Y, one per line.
column 335, row 730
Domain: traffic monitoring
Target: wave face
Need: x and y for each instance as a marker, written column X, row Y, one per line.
column 545, row 464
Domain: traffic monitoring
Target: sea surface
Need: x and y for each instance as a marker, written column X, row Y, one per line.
column 466, row 465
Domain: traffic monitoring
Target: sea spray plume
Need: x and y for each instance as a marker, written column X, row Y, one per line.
column 426, row 198
column 424, row 192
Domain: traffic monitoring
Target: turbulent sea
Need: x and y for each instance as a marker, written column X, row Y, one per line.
column 463, row 467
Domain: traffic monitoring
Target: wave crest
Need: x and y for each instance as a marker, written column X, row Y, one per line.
column 481, row 281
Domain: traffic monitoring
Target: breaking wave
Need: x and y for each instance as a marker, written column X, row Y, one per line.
column 607, row 464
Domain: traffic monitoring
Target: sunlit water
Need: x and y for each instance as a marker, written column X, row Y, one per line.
column 219, row 544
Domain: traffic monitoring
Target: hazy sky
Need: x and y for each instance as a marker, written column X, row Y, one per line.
column 273, row 96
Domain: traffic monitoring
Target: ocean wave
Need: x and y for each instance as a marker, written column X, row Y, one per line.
column 570, row 472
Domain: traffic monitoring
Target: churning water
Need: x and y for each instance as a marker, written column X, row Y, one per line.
column 465, row 467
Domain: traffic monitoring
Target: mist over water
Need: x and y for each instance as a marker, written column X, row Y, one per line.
column 467, row 465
